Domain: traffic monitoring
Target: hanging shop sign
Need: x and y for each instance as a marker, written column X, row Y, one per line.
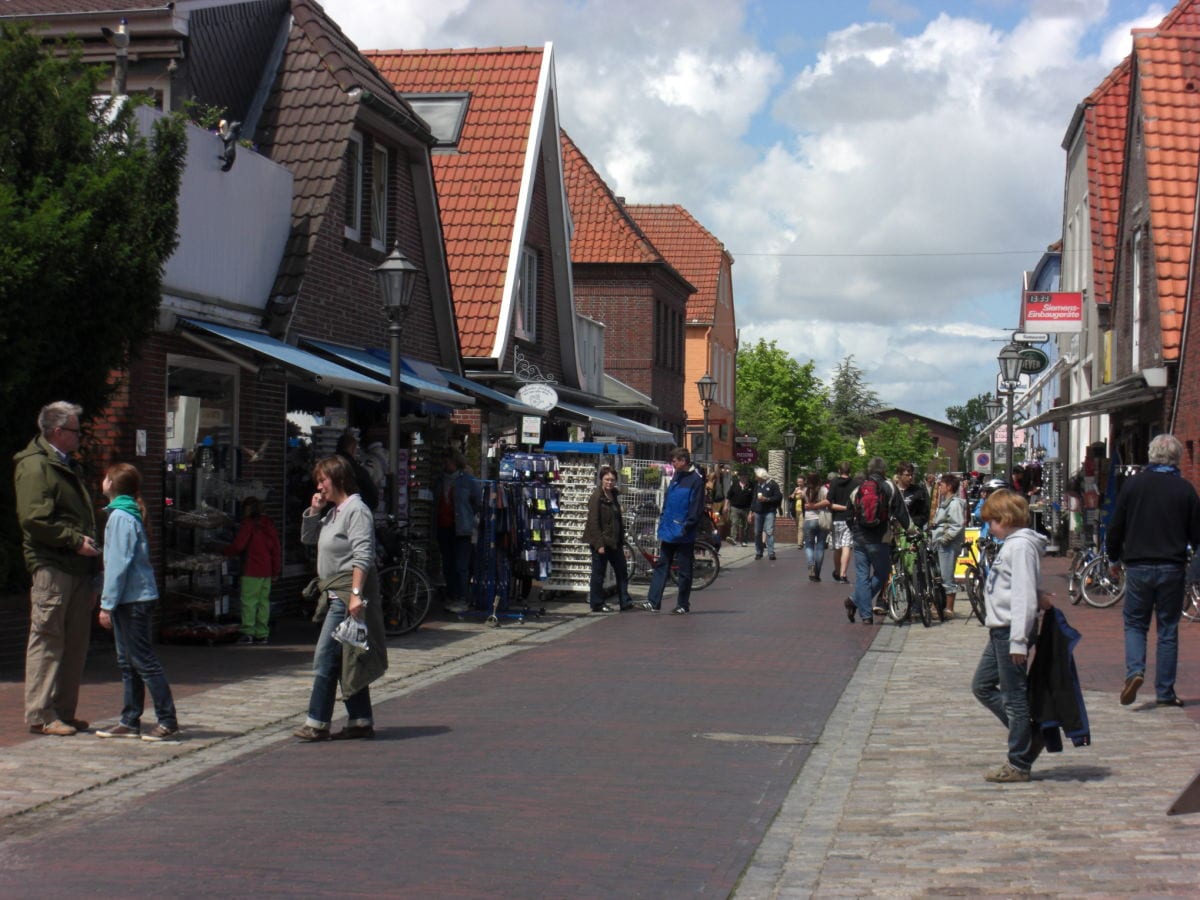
column 745, row 454
column 538, row 395
column 1052, row 311
column 1033, row 360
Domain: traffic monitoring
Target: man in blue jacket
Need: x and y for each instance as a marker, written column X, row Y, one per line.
column 683, row 509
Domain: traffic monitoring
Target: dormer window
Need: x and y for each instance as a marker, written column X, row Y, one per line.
column 354, row 186
column 443, row 113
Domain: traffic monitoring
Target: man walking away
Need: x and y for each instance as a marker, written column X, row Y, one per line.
column 58, row 523
column 1156, row 516
column 873, row 504
column 839, row 503
column 741, row 495
column 683, row 508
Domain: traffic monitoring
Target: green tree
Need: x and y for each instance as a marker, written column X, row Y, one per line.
column 970, row 419
column 851, row 401
column 88, row 217
column 774, row 393
column 899, row 442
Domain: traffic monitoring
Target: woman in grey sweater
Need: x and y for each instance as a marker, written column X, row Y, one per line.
column 343, row 529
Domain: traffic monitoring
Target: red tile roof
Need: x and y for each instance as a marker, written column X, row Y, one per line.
column 1168, row 80
column 690, row 248
column 604, row 231
column 1184, row 17
column 1104, row 126
column 479, row 186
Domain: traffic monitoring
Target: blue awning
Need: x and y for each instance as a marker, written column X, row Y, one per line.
column 322, row 371
column 371, row 362
column 491, row 397
column 607, row 423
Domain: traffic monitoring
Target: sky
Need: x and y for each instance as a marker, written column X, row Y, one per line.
column 883, row 171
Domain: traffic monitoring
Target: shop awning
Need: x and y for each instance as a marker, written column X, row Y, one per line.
column 322, row 371
column 1129, row 391
column 607, row 423
column 371, row 362
column 489, row 397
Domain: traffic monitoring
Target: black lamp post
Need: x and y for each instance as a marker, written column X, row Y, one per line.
column 707, row 388
column 789, row 444
column 993, row 408
column 397, row 278
column 1010, row 374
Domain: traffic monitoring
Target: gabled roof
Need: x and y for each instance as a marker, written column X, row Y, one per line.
column 1168, row 74
column 691, row 248
column 1105, row 124
column 604, row 231
column 1184, row 17
column 307, row 122
column 485, row 186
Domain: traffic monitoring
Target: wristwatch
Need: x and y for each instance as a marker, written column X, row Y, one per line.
column 356, row 592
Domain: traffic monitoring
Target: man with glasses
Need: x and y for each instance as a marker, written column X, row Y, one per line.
column 58, row 523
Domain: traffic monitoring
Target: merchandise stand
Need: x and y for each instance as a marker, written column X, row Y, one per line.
column 577, row 465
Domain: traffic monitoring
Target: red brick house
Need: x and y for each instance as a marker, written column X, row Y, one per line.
column 623, row 281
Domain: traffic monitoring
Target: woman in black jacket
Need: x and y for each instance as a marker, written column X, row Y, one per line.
column 605, row 534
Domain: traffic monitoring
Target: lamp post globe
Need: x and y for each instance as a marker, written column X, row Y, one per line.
column 706, row 387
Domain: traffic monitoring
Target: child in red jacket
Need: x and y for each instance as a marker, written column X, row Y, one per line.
column 258, row 540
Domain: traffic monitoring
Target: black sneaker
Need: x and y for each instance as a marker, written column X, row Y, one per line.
column 245, row 639
column 1170, row 701
column 262, row 640
column 680, row 611
column 354, row 733
column 605, row 608
column 771, row 557
column 647, row 606
column 851, row 609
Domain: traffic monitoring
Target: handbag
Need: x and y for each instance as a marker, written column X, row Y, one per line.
column 825, row 520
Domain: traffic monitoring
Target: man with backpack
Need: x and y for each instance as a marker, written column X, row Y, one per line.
column 873, row 506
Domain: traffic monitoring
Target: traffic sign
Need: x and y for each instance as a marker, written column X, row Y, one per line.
column 745, row 439
column 1030, row 337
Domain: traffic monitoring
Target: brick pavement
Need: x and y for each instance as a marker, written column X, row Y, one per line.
column 887, row 797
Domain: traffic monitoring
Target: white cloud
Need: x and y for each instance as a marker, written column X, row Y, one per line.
column 885, row 148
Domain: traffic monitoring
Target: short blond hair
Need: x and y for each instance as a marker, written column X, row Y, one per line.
column 1007, row 508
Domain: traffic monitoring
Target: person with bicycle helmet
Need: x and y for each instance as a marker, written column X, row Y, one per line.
column 985, row 490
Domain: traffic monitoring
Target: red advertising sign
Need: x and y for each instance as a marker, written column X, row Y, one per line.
column 746, row 455
column 1053, row 311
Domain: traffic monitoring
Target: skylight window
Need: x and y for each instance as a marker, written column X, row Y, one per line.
column 443, row 113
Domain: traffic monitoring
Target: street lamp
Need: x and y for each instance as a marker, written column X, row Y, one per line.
column 397, row 278
column 789, row 443
column 707, row 388
column 1010, row 373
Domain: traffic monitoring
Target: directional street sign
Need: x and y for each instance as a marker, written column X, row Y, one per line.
column 745, row 439
column 1030, row 337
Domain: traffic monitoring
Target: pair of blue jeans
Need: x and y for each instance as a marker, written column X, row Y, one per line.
column 872, row 562
column 682, row 556
column 327, row 670
column 1003, row 687
column 814, row 544
column 615, row 557
column 455, row 550
column 764, row 533
column 1157, row 590
column 132, row 625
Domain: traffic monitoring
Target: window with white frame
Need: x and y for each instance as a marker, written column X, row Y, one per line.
column 527, row 295
column 354, row 186
column 379, row 197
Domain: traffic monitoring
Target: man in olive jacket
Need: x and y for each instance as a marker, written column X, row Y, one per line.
column 58, row 522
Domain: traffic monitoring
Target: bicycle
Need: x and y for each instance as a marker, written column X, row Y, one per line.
column 898, row 591
column 1099, row 584
column 405, row 590
column 1191, row 602
column 640, row 562
column 975, row 574
column 1082, row 557
column 927, row 578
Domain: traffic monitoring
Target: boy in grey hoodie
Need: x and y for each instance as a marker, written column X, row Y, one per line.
column 1013, row 598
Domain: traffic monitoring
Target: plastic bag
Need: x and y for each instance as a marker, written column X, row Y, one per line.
column 352, row 633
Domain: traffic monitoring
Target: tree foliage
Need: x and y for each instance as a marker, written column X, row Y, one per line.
column 970, row 419
column 774, row 393
column 899, row 442
column 851, row 401
column 88, row 218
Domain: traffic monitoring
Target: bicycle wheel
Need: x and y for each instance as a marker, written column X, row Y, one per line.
column 899, row 597
column 706, row 565
column 1099, row 586
column 974, row 582
column 635, row 562
column 1077, row 563
column 925, row 604
column 407, row 595
column 1191, row 603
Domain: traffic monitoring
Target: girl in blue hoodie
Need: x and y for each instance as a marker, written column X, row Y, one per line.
column 127, row 607
column 1013, row 597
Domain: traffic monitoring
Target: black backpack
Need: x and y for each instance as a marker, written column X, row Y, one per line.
column 871, row 503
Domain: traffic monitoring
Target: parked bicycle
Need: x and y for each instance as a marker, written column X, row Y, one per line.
column 1101, row 584
column 898, row 592
column 981, row 553
column 406, row 591
column 927, row 577
column 640, row 559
